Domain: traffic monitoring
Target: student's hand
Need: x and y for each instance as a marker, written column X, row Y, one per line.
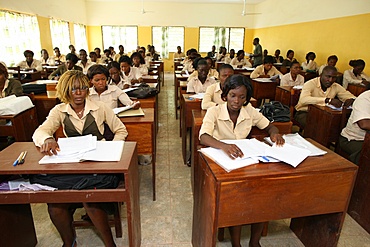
column 232, row 150
column 126, row 86
column 136, row 105
column 348, row 102
column 49, row 147
column 278, row 139
column 134, row 81
column 336, row 102
column 240, row 66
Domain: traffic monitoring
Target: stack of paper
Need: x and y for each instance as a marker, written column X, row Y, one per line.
column 197, row 96
column 82, row 148
column 125, row 108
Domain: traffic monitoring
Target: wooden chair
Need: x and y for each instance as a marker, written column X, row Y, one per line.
column 113, row 221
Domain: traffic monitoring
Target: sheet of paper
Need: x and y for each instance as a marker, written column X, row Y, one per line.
column 263, row 79
column 249, row 147
column 275, row 77
column 129, row 89
column 288, row 153
column 125, row 108
column 78, row 144
column 197, row 96
column 297, row 87
column 132, row 113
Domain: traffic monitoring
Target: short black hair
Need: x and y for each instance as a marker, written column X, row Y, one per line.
column 26, row 52
column 92, row 53
column 329, row 68
column 309, row 54
column 288, row 52
column 125, row 59
column 257, row 39
column 107, row 50
column 114, row 64
column 355, row 63
column 56, row 48
column 268, row 59
column 239, row 53
column 83, row 50
column 97, row 48
column 333, row 57
column 235, row 81
column 294, row 62
column 137, row 54
column 199, row 61
column 225, row 66
column 97, row 69
column 72, row 57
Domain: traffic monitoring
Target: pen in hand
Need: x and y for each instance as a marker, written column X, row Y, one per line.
column 18, row 159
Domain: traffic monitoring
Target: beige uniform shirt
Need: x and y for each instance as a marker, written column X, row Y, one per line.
column 261, row 71
column 120, row 83
column 313, row 94
column 212, row 96
column 244, row 62
column 36, row 64
column 287, row 80
column 178, row 55
column 217, row 122
column 143, row 69
column 85, row 68
column 98, row 110
column 111, row 96
column 134, row 74
column 212, row 73
column 360, row 111
column 311, row 65
column 350, row 78
column 196, row 86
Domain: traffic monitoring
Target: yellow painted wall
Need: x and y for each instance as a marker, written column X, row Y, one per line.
column 45, row 35
column 346, row 37
column 94, row 37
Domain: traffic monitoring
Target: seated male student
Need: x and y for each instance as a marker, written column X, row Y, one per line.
column 188, row 64
column 265, row 70
column 212, row 97
column 320, row 91
column 277, row 57
column 332, row 61
column 120, row 53
column 293, row 78
column 59, row 58
column 93, row 57
column 30, row 63
column 240, row 61
column 353, row 135
column 179, row 54
column 200, row 83
column 212, row 72
column 84, row 63
column 69, row 65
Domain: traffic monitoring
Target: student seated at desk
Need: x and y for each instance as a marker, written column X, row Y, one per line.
column 310, row 65
column 106, row 59
column 101, row 91
column 221, row 55
column 179, row 54
column 59, row 58
column 45, row 59
column 115, row 75
column 188, row 63
column 200, row 83
column 213, row 53
column 69, row 65
column 212, row 97
column 131, row 75
column 230, row 56
column 72, row 49
column 353, row 135
column 293, row 78
column 139, row 62
column 84, row 63
column 277, row 57
column 239, row 61
column 73, row 115
column 289, row 59
column 355, row 75
column 120, row 53
column 320, row 91
column 332, row 61
column 30, row 63
column 8, row 86
column 93, row 57
column 265, row 70
column 234, row 120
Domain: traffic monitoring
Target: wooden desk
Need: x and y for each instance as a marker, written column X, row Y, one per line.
column 360, row 201
column 315, row 195
column 323, row 124
column 177, row 79
column 22, row 125
column 143, row 131
column 160, row 67
column 152, row 79
column 19, row 233
column 243, row 71
column 197, row 120
column 356, row 89
column 26, row 76
column 263, row 90
column 44, row 103
column 289, row 96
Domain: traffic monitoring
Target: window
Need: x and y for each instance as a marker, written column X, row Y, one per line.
column 120, row 35
column 18, row 32
column 60, row 35
column 80, row 37
column 231, row 38
column 166, row 39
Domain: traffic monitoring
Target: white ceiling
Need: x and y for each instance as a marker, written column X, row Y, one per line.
column 189, row 1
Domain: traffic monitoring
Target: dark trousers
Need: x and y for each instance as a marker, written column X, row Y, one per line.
column 352, row 148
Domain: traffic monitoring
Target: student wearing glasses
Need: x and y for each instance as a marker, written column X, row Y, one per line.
column 78, row 116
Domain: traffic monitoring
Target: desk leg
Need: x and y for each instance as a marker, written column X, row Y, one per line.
column 133, row 203
column 16, row 224
column 318, row 230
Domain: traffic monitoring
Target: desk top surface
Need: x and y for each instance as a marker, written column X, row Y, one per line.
column 148, row 117
column 326, row 109
column 31, row 166
column 328, row 163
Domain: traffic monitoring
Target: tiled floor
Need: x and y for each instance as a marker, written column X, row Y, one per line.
column 168, row 221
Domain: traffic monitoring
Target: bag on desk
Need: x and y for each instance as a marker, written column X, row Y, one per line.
column 276, row 111
column 34, row 88
column 142, row 92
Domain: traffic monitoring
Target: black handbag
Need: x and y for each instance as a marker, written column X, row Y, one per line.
column 142, row 92
column 275, row 111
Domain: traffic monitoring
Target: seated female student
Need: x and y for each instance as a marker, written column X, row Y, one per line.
column 73, row 115
column 69, row 65
column 289, row 59
column 188, row 63
column 101, row 91
column 8, row 86
column 234, row 120
column 310, row 65
column 200, row 83
column 332, row 61
column 139, row 62
column 30, row 63
column 239, row 61
column 353, row 135
column 45, row 59
column 293, row 78
column 212, row 96
column 115, row 75
column 277, row 57
column 355, row 75
column 131, row 75
column 265, row 70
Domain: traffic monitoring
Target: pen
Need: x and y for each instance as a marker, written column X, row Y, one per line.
column 265, row 158
column 18, row 159
column 23, row 157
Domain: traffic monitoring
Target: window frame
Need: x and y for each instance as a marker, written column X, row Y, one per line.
column 69, row 33
column 183, row 42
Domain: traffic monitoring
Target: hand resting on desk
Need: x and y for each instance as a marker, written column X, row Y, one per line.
column 49, row 147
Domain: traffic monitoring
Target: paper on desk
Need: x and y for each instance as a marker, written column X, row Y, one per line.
column 262, row 79
column 129, row 89
column 78, row 144
column 337, row 108
column 274, row 77
column 298, row 87
column 197, row 96
column 288, row 154
column 249, row 147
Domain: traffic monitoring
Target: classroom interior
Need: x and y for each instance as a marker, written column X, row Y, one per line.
column 326, row 27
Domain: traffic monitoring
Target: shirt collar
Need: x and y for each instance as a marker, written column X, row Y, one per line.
column 89, row 106
column 224, row 113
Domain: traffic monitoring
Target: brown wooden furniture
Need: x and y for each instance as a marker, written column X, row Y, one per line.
column 263, row 90
column 356, row 89
column 160, row 68
column 360, row 201
column 15, row 205
column 178, row 78
column 22, row 125
column 16, row 72
column 315, row 195
column 143, row 131
column 289, row 96
column 323, row 124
